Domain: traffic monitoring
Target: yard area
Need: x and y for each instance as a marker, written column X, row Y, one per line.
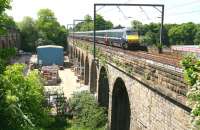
column 68, row 83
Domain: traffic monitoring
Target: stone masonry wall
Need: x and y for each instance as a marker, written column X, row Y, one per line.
column 156, row 94
column 149, row 110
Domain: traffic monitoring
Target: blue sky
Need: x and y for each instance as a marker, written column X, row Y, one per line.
column 176, row 11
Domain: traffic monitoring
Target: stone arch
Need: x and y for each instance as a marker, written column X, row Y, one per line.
column 78, row 63
column 71, row 52
column 103, row 88
column 86, row 71
column 74, row 52
column 120, row 117
column 93, row 78
column 79, row 56
column 82, row 67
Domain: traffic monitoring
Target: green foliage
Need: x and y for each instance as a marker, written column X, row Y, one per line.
column 21, row 100
column 87, row 113
column 102, row 24
column 29, row 34
column 6, row 23
column 74, row 127
column 138, row 26
column 150, row 33
column 150, row 38
column 2, row 65
column 4, row 4
column 197, row 37
column 191, row 66
column 87, row 24
column 5, row 55
column 45, row 30
column 182, row 34
column 49, row 28
column 5, row 20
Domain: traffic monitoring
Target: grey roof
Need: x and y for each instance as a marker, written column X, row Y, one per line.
column 50, row 46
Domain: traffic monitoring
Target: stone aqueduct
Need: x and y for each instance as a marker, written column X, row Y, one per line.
column 131, row 104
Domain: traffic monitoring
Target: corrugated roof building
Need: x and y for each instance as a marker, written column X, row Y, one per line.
column 50, row 55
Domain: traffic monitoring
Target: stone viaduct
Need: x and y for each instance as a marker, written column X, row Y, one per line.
column 139, row 94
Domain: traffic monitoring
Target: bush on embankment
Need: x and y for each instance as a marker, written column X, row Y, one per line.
column 87, row 115
column 21, row 100
column 191, row 67
column 5, row 55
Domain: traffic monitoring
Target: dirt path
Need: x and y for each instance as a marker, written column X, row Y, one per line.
column 68, row 83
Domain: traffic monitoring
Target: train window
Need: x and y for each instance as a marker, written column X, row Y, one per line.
column 129, row 32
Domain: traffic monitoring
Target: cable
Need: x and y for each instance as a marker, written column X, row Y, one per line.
column 144, row 12
column 100, row 8
column 157, row 9
column 125, row 17
column 109, row 10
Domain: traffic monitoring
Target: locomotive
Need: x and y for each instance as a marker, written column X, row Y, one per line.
column 124, row 38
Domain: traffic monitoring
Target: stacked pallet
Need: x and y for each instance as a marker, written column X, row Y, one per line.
column 50, row 74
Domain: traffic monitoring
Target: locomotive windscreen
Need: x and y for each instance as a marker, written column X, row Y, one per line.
column 130, row 32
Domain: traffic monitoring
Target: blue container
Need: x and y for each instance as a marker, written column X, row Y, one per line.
column 49, row 55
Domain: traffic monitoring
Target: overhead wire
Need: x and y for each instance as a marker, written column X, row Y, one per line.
column 125, row 17
column 157, row 9
column 100, row 8
column 144, row 12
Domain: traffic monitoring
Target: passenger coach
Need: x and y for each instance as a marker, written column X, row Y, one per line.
column 124, row 38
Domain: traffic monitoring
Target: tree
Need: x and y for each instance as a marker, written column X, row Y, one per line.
column 21, row 100
column 138, row 26
column 175, row 35
column 197, row 36
column 6, row 23
column 191, row 66
column 29, row 34
column 44, row 31
column 87, row 113
column 151, row 34
column 49, row 28
column 5, row 55
column 87, row 24
column 102, row 24
column 4, row 4
column 182, row 34
column 150, row 38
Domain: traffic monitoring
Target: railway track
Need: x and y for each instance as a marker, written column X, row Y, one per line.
column 165, row 58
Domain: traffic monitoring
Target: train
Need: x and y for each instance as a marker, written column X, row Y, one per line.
column 124, row 38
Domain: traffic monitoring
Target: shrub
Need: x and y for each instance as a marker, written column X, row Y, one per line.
column 191, row 67
column 87, row 113
column 21, row 100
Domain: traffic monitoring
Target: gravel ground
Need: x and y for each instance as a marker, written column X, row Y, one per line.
column 68, row 84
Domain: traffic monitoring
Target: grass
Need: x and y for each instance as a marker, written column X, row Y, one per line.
column 72, row 126
column 69, row 125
